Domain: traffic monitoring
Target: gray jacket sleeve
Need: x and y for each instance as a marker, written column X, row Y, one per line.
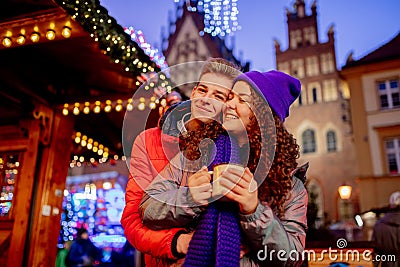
column 167, row 201
column 280, row 241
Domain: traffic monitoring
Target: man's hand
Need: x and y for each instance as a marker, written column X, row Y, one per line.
column 200, row 186
column 183, row 241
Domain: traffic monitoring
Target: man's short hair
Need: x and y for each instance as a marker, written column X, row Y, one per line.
column 221, row 66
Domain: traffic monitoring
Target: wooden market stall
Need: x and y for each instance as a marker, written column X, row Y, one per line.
column 56, row 59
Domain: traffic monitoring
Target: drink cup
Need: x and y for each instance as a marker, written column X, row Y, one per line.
column 217, row 191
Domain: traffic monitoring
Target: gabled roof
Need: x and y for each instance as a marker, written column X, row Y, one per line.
column 215, row 44
column 388, row 51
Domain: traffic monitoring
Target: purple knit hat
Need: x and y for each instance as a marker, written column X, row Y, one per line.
column 279, row 89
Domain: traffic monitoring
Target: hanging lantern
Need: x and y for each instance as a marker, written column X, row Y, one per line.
column 345, row 191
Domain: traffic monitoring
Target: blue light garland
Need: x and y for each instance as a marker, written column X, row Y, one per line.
column 220, row 16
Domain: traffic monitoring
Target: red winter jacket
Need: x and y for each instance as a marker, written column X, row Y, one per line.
column 150, row 153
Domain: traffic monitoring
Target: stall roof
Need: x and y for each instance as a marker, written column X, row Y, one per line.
column 97, row 62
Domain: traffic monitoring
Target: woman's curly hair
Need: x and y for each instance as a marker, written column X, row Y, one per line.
column 191, row 142
column 275, row 187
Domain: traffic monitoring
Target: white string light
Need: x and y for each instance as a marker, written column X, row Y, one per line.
column 220, row 16
column 154, row 54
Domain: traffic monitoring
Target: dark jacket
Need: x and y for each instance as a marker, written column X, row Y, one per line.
column 386, row 236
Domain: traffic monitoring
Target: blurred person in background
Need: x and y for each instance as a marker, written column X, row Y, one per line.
column 386, row 235
column 83, row 252
column 62, row 254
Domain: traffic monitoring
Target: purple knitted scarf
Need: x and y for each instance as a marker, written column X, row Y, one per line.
column 216, row 240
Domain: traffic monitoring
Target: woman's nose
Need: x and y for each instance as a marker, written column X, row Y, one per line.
column 231, row 103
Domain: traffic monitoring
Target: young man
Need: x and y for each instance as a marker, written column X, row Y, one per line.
column 154, row 147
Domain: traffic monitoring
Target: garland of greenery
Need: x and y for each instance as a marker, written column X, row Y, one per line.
column 111, row 37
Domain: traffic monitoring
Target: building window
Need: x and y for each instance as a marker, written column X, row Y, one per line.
column 295, row 39
column 331, row 141
column 309, row 144
column 300, row 100
column 393, row 154
column 314, row 95
column 312, row 66
column 327, row 63
column 309, row 35
column 314, row 92
column 330, row 90
column 298, row 68
column 284, row 67
column 389, row 94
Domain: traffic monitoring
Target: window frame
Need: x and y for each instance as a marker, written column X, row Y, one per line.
column 328, row 147
column 395, row 150
column 308, row 148
column 388, row 93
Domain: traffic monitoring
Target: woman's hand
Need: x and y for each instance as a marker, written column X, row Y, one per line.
column 241, row 187
column 200, row 186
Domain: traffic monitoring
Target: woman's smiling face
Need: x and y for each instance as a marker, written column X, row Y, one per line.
column 237, row 111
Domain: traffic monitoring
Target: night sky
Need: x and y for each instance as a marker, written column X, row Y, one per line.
column 361, row 26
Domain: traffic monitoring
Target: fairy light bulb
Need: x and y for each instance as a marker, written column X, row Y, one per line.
column 118, row 107
column 66, row 32
column 97, row 107
column 90, row 143
column 21, row 39
column 78, row 137
column 35, row 37
column 129, row 106
column 95, row 147
column 152, row 104
column 7, row 42
column 65, row 110
column 86, row 109
column 108, row 107
column 84, row 141
column 76, row 109
column 50, row 34
column 141, row 105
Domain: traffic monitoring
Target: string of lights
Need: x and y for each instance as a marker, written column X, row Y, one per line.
column 220, row 16
column 111, row 37
column 96, row 147
column 79, row 161
column 34, row 37
column 153, row 53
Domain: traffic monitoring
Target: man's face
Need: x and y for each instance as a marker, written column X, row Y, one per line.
column 209, row 96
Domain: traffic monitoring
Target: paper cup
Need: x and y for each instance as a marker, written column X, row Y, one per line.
column 217, row 171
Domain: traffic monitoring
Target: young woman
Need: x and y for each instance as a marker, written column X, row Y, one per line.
column 267, row 212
